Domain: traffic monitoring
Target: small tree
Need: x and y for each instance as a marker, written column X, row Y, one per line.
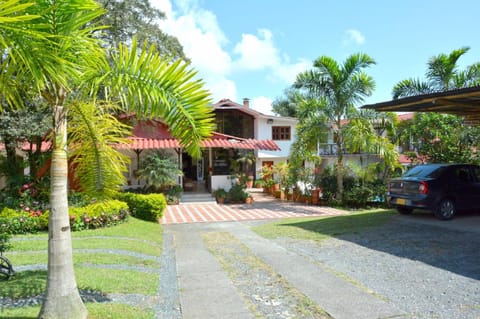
column 159, row 171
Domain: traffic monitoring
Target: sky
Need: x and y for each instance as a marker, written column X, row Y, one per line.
column 255, row 48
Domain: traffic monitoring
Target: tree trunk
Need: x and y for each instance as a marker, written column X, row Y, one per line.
column 62, row 297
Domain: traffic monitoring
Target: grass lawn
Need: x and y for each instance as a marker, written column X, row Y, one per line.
column 97, row 256
column 321, row 228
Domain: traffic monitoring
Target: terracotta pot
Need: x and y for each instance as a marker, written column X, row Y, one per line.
column 315, row 195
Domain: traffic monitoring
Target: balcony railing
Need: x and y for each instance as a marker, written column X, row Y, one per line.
column 330, row 149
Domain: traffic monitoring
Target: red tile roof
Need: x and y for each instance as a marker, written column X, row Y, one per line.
column 154, row 134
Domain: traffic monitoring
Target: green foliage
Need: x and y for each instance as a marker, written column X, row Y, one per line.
column 361, row 187
column 288, row 104
column 237, row 193
column 173, row 194
column 159, row 171
column 99, row 168
column 220, row 193
column 331, row 91
column 137, row 17
column 97, row 215
column 148, row 207
column 441, row 138
column 4, row 237
column 20, row 222
column 442, row 74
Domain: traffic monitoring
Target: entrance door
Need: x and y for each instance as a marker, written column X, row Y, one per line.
column 200, row 171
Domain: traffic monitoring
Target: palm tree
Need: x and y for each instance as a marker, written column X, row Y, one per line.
column 442, row 75
column 339, row 88
column 50, row 44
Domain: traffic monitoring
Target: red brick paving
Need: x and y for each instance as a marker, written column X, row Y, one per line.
column 203, row 213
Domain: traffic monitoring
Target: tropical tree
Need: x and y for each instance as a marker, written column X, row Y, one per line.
column 442, row 138
column 159, row 171
column 372, row 133
column 442, row 74
column 288, row 104
column 51, row 45
column 137, row 18
column 338, row 87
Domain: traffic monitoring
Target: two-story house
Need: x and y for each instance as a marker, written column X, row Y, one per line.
column 243, row 121
column 241, row 132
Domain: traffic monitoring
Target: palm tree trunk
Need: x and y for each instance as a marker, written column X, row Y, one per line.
column 62, row 297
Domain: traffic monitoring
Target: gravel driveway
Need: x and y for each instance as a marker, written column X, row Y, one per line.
column 427, row 268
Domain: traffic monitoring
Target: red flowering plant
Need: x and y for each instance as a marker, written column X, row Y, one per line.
column 28, row 200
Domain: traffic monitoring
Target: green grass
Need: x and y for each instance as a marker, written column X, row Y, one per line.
column 138, row 246
column 134, row 236
column 40, row 257
column 95, row 311
column 319, row 229
column 117, row 281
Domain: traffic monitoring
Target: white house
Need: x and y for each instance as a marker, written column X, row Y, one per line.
column 259, row 126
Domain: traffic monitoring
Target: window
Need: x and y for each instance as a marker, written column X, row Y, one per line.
column 280, row 133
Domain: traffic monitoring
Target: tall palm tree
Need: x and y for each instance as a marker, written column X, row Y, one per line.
column 442, row 74
column 50, row 44
column 341, row 87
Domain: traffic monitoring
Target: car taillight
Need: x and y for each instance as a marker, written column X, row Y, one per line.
column 423, row 188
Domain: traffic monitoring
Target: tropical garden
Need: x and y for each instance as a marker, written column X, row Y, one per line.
column 70, row 67
column 326, row 99
column 55, row 61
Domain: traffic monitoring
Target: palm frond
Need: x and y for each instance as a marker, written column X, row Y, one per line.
column 441, row 69
column 154, row 87
column 99, row 167
column 410, row 87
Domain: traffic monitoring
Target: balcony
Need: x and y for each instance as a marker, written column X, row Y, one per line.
column 325, row 149
column 331, row 149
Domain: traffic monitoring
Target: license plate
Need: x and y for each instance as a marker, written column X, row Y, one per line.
column 401, row 201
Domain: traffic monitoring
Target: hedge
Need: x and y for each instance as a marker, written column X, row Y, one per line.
column 149, row 207
column 101, row 214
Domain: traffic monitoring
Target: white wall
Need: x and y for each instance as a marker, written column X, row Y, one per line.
column 264, row 132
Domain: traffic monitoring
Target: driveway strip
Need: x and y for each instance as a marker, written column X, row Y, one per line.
column 339, row 298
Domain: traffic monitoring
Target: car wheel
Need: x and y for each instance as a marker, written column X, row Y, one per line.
column 404, row 210
column 446, row 209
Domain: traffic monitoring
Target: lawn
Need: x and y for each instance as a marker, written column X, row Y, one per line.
column 321, row 228
column 129, row 252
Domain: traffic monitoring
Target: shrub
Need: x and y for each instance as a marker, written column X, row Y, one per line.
column 173, row 194
column 102, row 214
column 97, row 215
column 20, row 222
column 148, row 207
column 4, row 238
column 358, row 196
column 237, row 193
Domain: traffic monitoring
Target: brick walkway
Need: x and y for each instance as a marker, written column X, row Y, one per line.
column 203, row 213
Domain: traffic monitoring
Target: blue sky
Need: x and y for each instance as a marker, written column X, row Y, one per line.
column 255, row 48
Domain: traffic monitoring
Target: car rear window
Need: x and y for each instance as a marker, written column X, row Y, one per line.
column 425, row 171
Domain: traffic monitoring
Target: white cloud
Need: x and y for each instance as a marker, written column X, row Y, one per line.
column 257, row 52
column 353, row 36
column 204, row 43
column 262, row 104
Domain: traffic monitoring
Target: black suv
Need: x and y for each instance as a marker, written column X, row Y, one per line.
column 443, row 189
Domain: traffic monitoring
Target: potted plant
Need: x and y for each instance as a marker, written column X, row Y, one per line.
column 259, row 183
column 249, row 199
column 220, row 195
